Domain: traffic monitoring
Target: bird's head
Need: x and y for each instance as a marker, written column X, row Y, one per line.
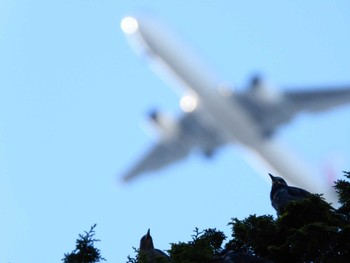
column 146, row 242
column 277, row 180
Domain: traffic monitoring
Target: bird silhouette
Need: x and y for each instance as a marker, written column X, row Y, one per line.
column 282, row 194
column 152, row 254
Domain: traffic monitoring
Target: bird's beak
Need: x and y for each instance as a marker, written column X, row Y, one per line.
column 272, row 177
column 148, row 232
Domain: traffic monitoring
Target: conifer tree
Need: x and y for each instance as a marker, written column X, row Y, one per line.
column 309, row 230
column 84, row 252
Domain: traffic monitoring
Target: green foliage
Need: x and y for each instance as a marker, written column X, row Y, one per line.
column 85, row 252
column 142, row 257
column 343, row 190
column 203, row 246
column 134, row 260
column 307, row 211
column 310, row 230
column 251, row 234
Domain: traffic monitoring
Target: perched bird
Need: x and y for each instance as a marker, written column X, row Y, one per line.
column 152, row 254
column 281, row 194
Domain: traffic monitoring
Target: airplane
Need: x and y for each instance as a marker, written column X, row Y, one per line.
column 216, row 115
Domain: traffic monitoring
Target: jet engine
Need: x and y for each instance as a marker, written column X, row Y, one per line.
column 163, row 123
column 264, row 92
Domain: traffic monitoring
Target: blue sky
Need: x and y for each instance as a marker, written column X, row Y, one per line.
column 73, row 99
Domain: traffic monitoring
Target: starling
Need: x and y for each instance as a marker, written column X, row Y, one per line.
column 281, row 194
column 152, row 254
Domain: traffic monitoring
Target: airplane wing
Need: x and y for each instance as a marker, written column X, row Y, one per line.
column 318, row 100
column 269, row 116
column 191, row 133
column 160, row 155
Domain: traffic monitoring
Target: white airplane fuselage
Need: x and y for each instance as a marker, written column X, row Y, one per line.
column 171, row 58
column 163, row 49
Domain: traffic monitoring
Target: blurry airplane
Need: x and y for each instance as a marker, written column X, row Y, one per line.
column 216, row 115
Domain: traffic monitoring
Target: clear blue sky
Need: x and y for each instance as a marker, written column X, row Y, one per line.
column 73, row 97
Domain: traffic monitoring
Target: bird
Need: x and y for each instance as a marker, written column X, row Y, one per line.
column 152, row 254
column 282, row 194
